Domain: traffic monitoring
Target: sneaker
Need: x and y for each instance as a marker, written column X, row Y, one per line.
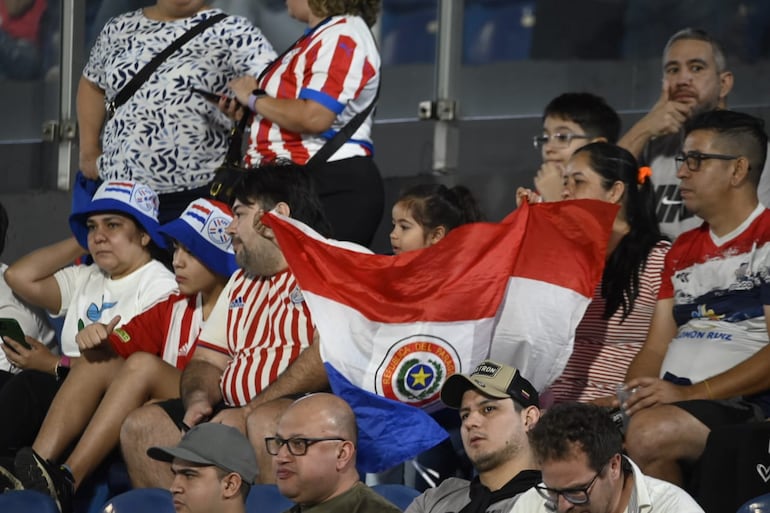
column 37, row 473
column 8, row 481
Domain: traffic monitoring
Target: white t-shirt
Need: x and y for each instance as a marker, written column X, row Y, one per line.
column 33, row 321
column 649, row 495
column 88, row 295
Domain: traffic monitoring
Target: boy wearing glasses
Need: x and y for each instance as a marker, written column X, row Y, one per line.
column 709, row 335
column 570, row 121
column 314, row 454
column 580, row 448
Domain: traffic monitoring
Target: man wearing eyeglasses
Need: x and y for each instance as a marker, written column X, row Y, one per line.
column 704, row 364
column 695, row 79
column 498, row 406
column 213, row 467
column 579, row 449
column 314, row 454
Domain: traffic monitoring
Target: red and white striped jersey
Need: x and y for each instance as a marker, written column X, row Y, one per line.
column 262, row 324
column 168, row 329
column 337, row 65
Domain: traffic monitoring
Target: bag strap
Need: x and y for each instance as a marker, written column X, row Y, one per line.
column 346, row 132
column 143, row 74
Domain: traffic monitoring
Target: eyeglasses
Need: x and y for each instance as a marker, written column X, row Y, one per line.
column 694, row 158
column 576, row 496
column 296, row 445
column 557, row 140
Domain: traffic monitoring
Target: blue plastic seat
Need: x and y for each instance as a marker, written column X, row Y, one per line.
column 26, row 501
column 408, row 31
column 759, row 504
column 141, row 500
column 400, row 495
column 497, row 30
column 265, row 498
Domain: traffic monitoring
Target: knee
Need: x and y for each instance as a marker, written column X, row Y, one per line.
column 650, row 433
column 139, row 424
column 262, row 421
column 141, row 363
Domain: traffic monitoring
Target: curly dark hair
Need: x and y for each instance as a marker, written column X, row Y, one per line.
column 569, row 426
column 366, row 9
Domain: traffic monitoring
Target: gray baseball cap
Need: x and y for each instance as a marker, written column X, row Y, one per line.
column 492, row 379
column 213, row 444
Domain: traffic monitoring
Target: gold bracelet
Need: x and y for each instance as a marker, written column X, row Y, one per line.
column 708, row 389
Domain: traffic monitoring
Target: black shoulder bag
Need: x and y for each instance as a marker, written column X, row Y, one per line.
column 143, row 74
column 230, row 173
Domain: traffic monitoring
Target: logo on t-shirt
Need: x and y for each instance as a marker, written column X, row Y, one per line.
column 237, row 303
column 94, row 312
column 670, row 208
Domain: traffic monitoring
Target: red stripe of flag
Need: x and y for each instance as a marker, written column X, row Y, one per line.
column 560, row 243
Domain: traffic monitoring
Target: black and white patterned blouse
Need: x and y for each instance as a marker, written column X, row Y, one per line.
column 165, row 135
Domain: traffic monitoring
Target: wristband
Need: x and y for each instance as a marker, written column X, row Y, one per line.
column 255, row 95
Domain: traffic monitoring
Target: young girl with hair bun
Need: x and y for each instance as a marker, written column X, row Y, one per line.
column 425, row 213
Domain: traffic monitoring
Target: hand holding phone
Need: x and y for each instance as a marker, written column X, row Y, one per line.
column 10, row 328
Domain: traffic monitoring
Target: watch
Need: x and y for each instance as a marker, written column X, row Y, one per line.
column 255, row 95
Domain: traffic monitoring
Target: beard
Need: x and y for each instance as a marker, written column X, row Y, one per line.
column 485, row 462
column 258, row 263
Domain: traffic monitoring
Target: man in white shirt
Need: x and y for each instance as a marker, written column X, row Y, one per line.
column 579, row 448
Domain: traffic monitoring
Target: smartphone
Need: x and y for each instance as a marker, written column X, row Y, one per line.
column 212, row 97
column 10, row 328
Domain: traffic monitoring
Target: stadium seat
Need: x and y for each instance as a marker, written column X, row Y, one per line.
column 759, row 504
column 497, row 30
column 408, row 31
column 265, row 498
column 26, row 501
column 400, row 495
column 140, row 500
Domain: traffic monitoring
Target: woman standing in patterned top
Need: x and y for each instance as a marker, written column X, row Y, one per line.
column 615, row 324
column 164, row 136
